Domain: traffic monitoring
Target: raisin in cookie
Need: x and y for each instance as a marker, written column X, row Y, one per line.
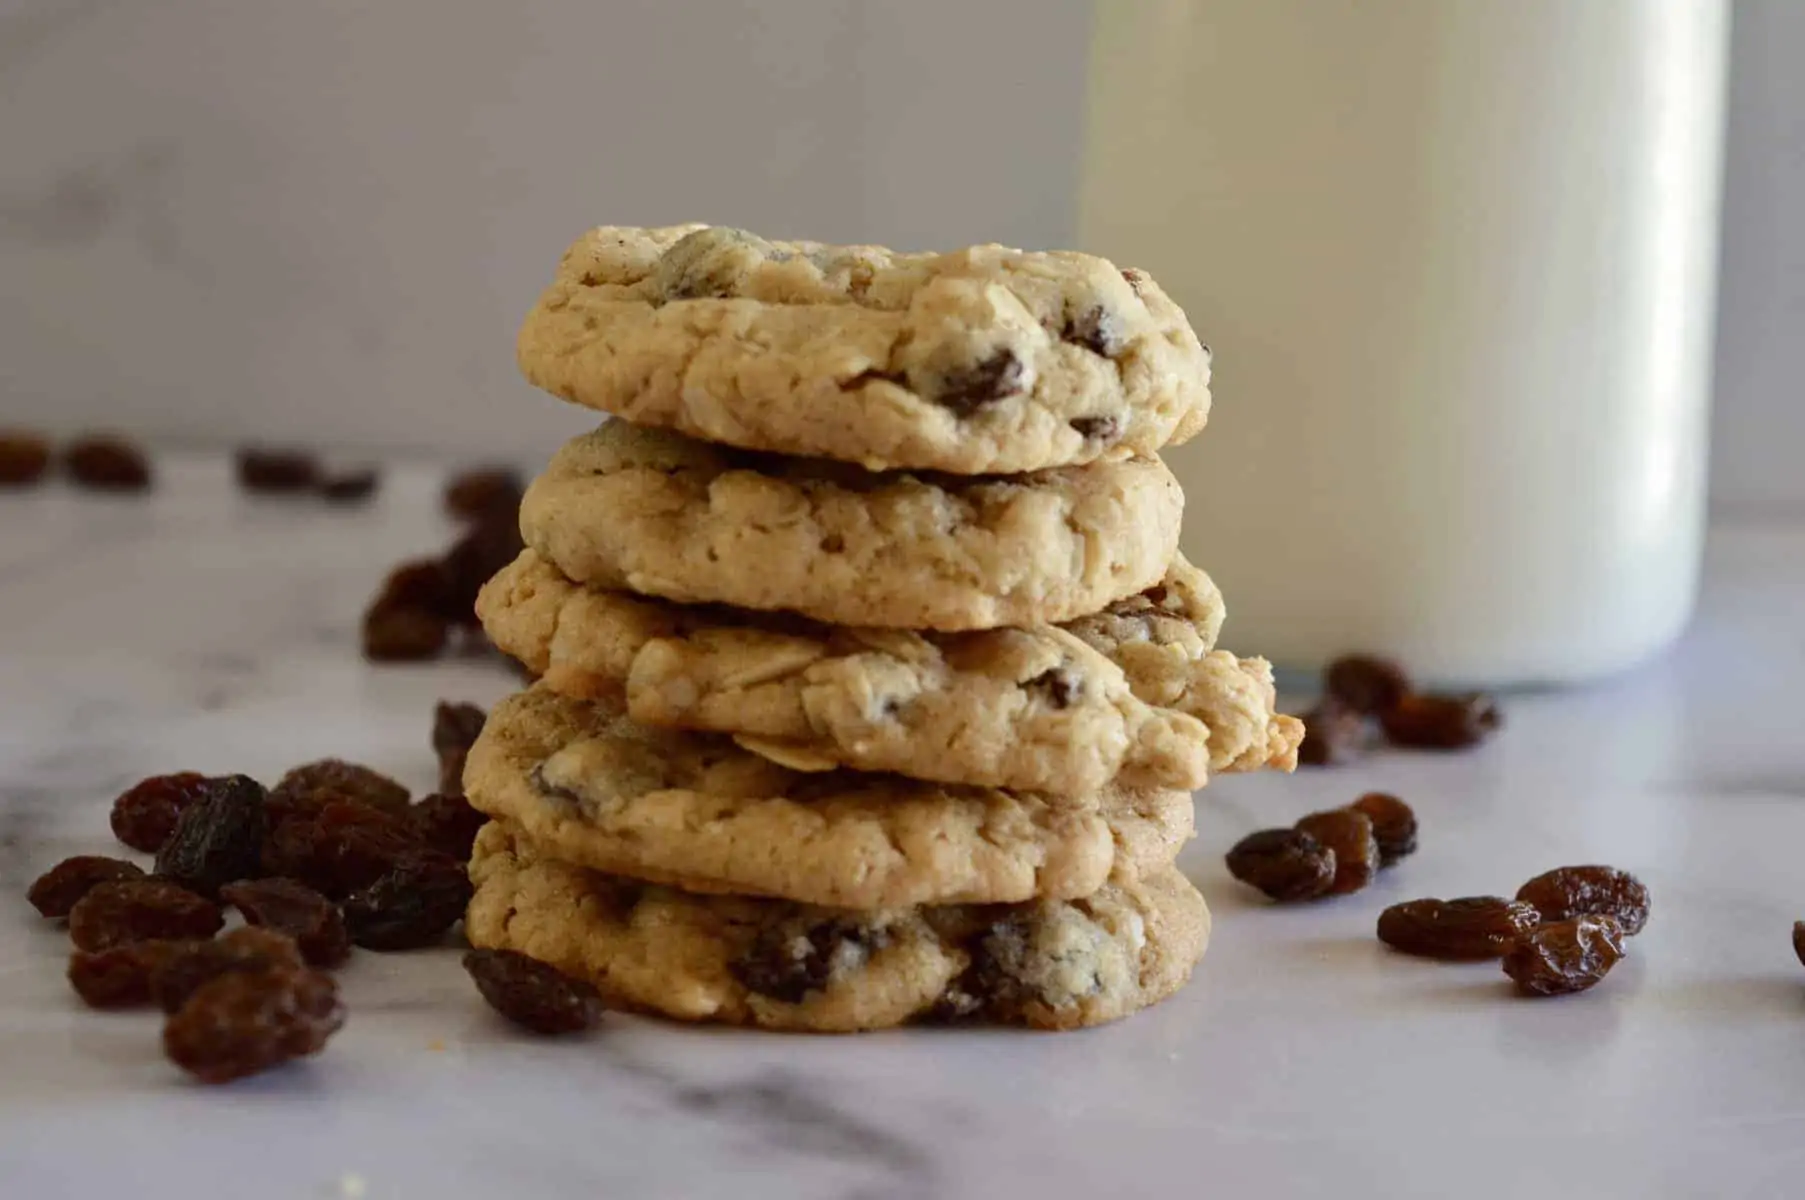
column 665, row 515
column 988, row 360
column 697, row 811
column 1050, row 964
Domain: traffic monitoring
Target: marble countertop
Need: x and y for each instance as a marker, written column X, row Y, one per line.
column 202, row 629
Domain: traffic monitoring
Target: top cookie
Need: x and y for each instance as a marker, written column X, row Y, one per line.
column 985, row 360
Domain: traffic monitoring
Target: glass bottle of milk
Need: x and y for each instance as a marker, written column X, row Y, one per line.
column 1457, row 260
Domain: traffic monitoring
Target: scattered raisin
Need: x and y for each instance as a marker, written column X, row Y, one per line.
column 107, row 463
column 418, row 584
column 1394, row 825
column 394, row 634
column 134, row 910
column 145, row 814
column 218, row 838
column 349, row 487
column 455, row 728
column 1333, row 736
column 120, row 976
column 24, row 457
column 1350, row 835
column 58, row 889
column 244, row 1022
column 1434, row 721
column 292, row 908
column 1096, row 429
column 486, row 547
column 1093, row 330
column 964, row 392
column 1798, row 940
column 483, row 491
column 1471, row 927
column 264, row 470
column 1365, row 683
column 447, row 824
column 532, row 994
column 786, row 963
column 411, row 906
column 335, row 779
column 182, row 974
column 337, row 849
column 1058, row 686
column 1589, row 891
column 1286, row 864
column 1564, row 956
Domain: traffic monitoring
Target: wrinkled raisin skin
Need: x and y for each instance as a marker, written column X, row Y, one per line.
column 1365, row 683
column 455, row 728
column 292, row 908
column 58, row 890
column 245, row 1022
column 1467, row 929
column 1394, row 825
column 1333, row 736
column 218, row 838
column 1286, row 864
column 411, row 906
column 1589, row 891
column 1441, row 722
column 534, row 995
column 974, row 388
column 335, row 779
column 145, row 814
column 137, row 910
column 248, row 949
column 447, row 824
column 120, row 976
column 1350, row 835
column 336, row 848
column 1564, row 957
column 772, row 967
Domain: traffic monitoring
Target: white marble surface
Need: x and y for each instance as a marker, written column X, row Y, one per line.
column 202, row 630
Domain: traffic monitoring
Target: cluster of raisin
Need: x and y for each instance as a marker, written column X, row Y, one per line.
column 97, row 462
column 1362, row 689
column 1330, row 853
column 425, row 602
column 281, row 472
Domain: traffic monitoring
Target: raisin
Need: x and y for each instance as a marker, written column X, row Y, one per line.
column 182, row 974
column 24, row 458
column 416, row 584
column 1441, row 722
column 218, row 838
column 1333, row 736
column 1096, row 429
column 135, row 910
column 489, row 545
column 411, row 906
column 145, row 814
column 483, row 491
column 786, row 963
column 982, row 384
column 292, row 908
column 1094, row 330
column 337, row 849
column 455, row 728
column 1798, row 940
column 397, row 634
column 447, row 824
column 335, row 779
column 1365, row 683
column 1286, row 864
column 1394, row 825
column 1058, row 686
column 1471, row 927
column 349, row 487
column 1350, row 835
column 244, row 1022
column 1589, row 891
column 120, row 976
column 107, row 464
column 58, row 889
column 532, row 994
column 261, row 470
column 1564, row 956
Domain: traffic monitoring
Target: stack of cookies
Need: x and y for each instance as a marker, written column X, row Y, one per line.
column 873, row 687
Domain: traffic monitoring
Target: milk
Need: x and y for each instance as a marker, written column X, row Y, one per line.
column 1457, row 262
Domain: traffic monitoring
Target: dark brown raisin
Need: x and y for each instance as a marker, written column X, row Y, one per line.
column 218, row 838
column 337, row 849
column 982, row 384
column 24, row 458
column 1333, row 736
column 1095, row 330
column 396, row 634
column 1350, row 835
column 787, row 962
column 482, row 492
column 244, row 1022
column 120, row 977
column 56, row 891
column 486, row 547
column 145, row 814
column 1394, row 825
column 1096, row 429
column 136, row 910
column 416, row 584
column 1798, row 940
column 1286, row 864
column 335, row 779
column 447, row 824
column 1058, row 686
column 292, row 908
column 1471, row 927
column 179, row 976
column 1564, row 956
column 268, row 470
column 455, row 728
column 1589, row 891
column 411, row 906
column 1424, row 721
column 532, row 994
column 107, row 464
column 349, row 487
column 1365, row 683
